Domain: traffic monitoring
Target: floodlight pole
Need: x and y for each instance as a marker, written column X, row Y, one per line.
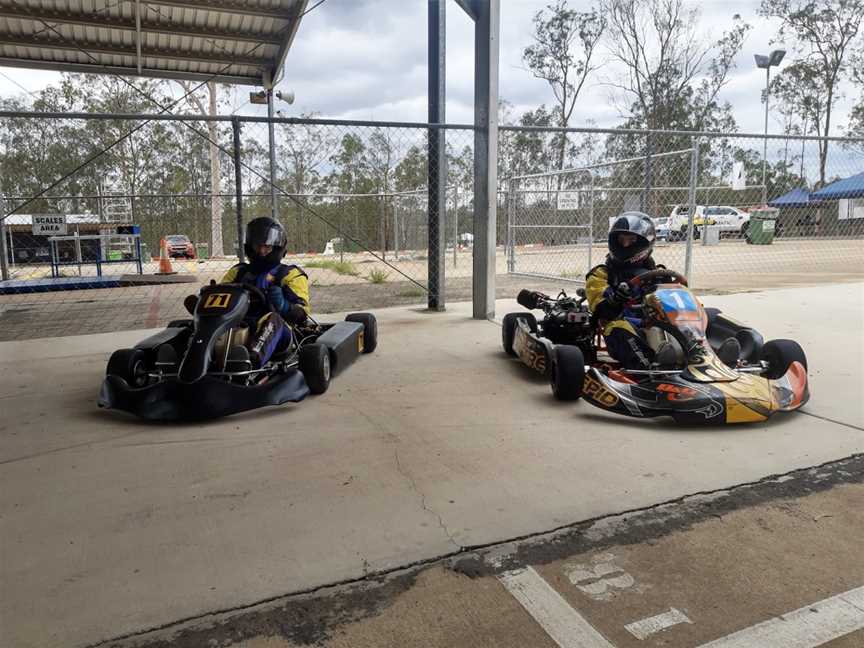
column 272, row 144
column 765, row 141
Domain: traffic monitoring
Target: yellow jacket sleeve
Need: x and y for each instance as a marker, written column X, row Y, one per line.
column 230, row 276
column 595, row 285
column 297, row 283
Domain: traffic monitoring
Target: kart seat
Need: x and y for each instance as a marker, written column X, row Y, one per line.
column 721, row 327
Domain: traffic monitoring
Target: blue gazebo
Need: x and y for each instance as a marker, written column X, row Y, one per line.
column 799, row 197
column 851, row 187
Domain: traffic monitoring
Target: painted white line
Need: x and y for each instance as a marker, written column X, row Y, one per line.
column 562, row 623
column 646, row 627
column 806, row 627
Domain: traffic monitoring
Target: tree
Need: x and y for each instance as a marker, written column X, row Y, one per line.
column 564, row 45
column 197, row 102
column 672, row 74
column 826, row 32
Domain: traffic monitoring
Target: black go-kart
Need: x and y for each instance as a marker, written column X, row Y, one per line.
column 696, row 386
column 200, row 368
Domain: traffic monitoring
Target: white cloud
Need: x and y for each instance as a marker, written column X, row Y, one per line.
column 367, row 59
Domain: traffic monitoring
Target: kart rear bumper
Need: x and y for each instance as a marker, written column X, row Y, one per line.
column 207, row 398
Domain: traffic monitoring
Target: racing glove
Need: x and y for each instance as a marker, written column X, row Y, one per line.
column 277, row 299
column 295, row 314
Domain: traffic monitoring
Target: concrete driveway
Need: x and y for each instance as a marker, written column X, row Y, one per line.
column 434, row 444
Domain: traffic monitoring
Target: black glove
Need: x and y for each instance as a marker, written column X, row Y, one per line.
column 620, row 295
column 295, row 314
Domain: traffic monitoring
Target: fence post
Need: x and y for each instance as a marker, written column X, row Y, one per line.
column 455, row 222
column 238, row 187
column 691, row 209
column 4, row 262
column 382, row 222
column 341, row 230
column 648, row 172
column 511, row 252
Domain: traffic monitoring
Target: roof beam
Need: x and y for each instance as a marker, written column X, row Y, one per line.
column 129, row 25
column 223, row 7
column 101, row 48
column 285, row 46
column 123, row 71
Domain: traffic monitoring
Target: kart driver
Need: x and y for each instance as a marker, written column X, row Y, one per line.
column 631, row 243
column 286, row 288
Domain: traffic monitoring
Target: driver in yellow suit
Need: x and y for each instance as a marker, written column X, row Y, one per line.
column 631, row 242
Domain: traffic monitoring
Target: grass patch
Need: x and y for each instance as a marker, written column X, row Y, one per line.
column 377, row 276
column 412, row 292
column 339, row 267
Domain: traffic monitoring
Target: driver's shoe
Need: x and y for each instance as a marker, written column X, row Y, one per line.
column 665, row 357
column 729, row 352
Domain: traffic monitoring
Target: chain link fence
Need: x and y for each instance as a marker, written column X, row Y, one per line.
column 88, row 237
column 715, row 217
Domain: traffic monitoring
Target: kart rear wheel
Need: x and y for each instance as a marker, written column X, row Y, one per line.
column 315, row 365
column 780, row 354
column 370, row 329
column 568, row 372
column 129, row 365
column 508, row 329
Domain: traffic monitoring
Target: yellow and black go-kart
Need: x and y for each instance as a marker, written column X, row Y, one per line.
column 200, row 368
column 698, row 387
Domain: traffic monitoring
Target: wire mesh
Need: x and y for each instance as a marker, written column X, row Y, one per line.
column 804, row 223
column 352, row 198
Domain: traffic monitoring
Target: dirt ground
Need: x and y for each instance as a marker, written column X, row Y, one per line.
column 733, row 266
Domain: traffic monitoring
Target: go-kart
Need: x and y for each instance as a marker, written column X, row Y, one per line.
column 200, row 368
column 567, row 346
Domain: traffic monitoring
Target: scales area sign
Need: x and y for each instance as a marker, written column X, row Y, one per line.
column 49, row 224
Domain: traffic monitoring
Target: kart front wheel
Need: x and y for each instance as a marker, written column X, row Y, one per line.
column 315, row 366
column 568, row 372
column 128, row 364
column 508, row 329
column 370, row 329
column 779, row 355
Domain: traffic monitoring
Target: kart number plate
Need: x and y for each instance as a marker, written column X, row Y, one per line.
column 217, row 300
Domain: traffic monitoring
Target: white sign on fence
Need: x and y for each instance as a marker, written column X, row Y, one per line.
column 49, row 224
column 568, row 200
column 738, row 179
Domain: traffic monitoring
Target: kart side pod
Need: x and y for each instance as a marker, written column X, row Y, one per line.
column 344, row 340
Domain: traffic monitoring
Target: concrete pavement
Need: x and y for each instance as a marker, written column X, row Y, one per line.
column 435, row 443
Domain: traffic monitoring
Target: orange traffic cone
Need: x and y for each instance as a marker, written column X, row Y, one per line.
column 164, row 260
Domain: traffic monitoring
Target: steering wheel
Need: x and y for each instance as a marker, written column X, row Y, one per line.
column 648, row 280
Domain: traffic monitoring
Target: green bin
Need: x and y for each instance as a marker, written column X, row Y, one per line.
column 202, row 250
column 762, row 225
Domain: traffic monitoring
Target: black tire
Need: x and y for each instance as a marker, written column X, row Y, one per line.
column 780, row 354
column 128, row 364
column 315, row 365
column 568, row 372
column 508, row 329
column 744, row 229
column 370, row 329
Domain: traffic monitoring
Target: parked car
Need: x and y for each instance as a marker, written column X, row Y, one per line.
column 179, row 245
column 730, row 220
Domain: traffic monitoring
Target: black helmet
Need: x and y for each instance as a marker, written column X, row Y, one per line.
column 265, row 231
column 642, row 227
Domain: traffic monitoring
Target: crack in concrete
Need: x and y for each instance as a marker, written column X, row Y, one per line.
column 830, row 420
column 423, row 505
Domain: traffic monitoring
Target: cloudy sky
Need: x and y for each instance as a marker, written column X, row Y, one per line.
column 366, row 59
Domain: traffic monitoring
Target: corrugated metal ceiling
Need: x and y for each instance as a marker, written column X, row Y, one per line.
column 240, row 41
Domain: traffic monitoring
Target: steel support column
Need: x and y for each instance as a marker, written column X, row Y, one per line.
column 238, row 187
column 486, row 37
column 4, row 261
column 437, row 154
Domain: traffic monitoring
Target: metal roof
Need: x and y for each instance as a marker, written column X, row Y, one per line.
column 230, row 41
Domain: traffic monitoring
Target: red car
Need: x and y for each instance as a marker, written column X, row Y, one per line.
column 179, row 245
